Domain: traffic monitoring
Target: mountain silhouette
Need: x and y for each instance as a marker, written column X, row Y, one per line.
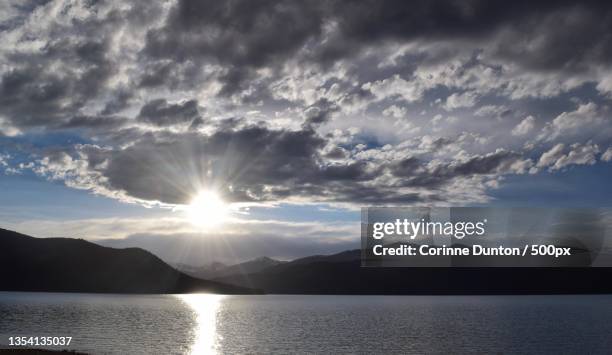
column 342, row 274
column 76, row 265
column 217, row 269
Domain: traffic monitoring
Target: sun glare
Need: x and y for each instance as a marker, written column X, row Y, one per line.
column 205, row 308
column 207, row 209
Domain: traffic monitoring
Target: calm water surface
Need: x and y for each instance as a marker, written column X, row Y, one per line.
column 167, row 324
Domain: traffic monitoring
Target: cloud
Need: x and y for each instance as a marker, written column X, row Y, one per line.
column 455, row 101
column 281, row 101
column 320, row 112
column 557, row 159
column 551, row 156
column 524, row 127
column 252, row 164
column 607, row 155
column 394, row 111
column 3, row 160
column 160, row 112
column 498, row 162
column 7, row 129
column 493, row 111
column 578, row 155
column 241, row 35
column 587, row 121
column 255, row 164
column 396, row 86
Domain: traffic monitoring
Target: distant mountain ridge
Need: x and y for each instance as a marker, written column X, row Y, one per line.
column 217, row 269
column 76, row 265
column 342, row 274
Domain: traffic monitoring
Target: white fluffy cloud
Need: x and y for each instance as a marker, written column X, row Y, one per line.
column 394, row 111
column 456, row 100
column 551, row 156
column 577, row 154
column 524, row 127
column 587, row 120
column 607, row 155
column 396, row 86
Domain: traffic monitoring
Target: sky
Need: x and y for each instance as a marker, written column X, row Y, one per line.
column 115, row 116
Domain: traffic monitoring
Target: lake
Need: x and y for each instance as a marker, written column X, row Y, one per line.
column 200, row 323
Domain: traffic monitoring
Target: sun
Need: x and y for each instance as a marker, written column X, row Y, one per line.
column 207, row 209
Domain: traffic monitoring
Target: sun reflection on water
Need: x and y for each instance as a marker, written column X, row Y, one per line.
column 205, row 307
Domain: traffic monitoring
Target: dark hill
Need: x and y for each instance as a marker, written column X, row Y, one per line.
column 342, row 274
column 75, row 265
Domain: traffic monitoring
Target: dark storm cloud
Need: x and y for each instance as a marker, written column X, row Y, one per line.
column 413, row 172
column 407, row 166
column 560, row 34
column 319, row 112
column 487, row 164
column 169, row 74
column 31, row 97
column 243, row 35
column 160, row 112
column 120, row 101
column 101, row 122
column 57, row 66
column 173, row 168
column 570, row 38
column 375, row 20
column 50, row 88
